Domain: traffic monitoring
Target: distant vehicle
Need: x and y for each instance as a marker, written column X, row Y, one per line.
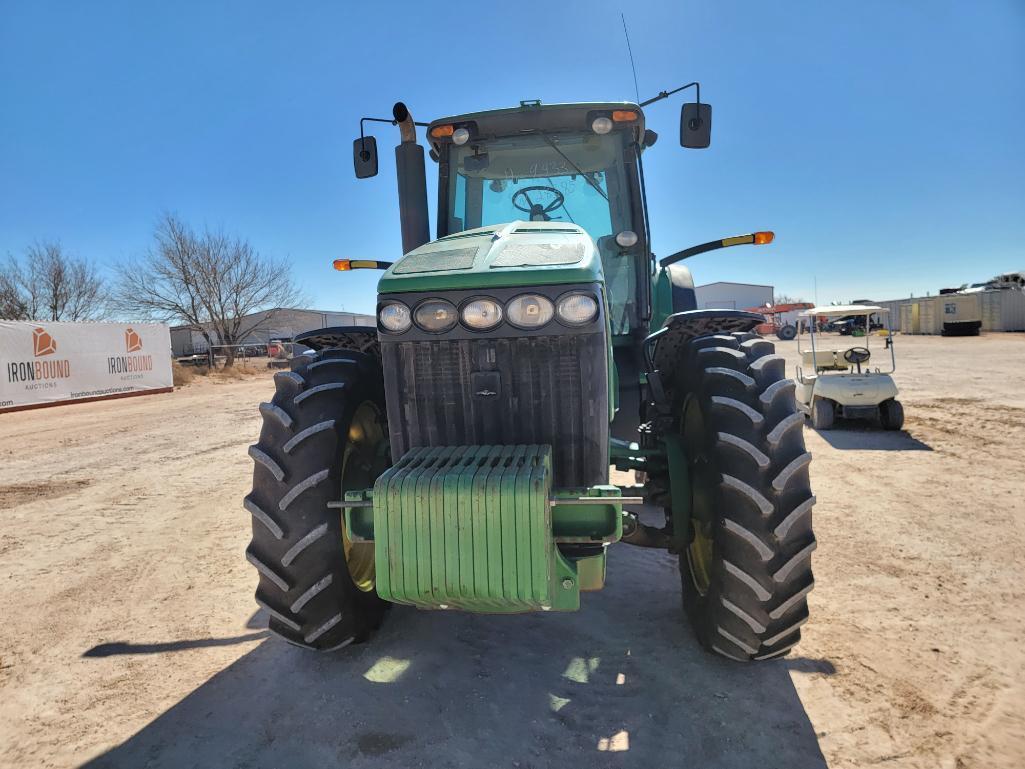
column 279, row 348
column 827, row 387
column 852, row 324
column 781, row 319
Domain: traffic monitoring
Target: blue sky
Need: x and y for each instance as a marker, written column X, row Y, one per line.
column 884, row 142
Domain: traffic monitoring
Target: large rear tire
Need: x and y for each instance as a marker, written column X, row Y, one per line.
column 324, row 432
column 746, row 569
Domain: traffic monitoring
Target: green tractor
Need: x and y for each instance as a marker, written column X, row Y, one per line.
column 457, row 455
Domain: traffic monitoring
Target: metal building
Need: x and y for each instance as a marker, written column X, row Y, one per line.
column 732, row 296
column 279, row 323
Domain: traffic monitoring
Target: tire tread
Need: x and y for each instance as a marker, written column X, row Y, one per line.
column 762, row 545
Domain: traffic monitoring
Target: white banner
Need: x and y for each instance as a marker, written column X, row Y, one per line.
column 47, row 363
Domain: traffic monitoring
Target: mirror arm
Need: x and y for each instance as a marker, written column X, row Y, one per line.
column 755, row 238
column 379, row 120
column 666, row 94
column 686, row 253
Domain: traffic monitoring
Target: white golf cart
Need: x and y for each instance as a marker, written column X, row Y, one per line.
column 834, row 382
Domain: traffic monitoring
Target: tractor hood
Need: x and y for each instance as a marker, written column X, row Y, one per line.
column 514, row 254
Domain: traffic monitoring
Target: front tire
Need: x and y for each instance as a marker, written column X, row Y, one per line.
column 324, row 432
column 891, row 414
column 823, row 413
column 746, row 569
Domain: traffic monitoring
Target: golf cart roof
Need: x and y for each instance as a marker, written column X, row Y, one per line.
column 842, row 310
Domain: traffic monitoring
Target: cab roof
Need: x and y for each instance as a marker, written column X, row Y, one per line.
column 532, row 115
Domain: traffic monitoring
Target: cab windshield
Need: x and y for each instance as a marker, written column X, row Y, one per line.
column 574, row 178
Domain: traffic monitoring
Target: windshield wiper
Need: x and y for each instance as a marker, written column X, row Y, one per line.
column 552, row 185
column 576, row 168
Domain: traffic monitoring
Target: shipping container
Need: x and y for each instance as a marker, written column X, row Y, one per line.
column 996, row 310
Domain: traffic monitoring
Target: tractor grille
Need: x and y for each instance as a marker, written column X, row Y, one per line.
column 525, row 390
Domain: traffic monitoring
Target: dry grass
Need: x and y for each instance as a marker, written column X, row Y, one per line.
column 233, row 374
column 186, row 375
column 182, row 375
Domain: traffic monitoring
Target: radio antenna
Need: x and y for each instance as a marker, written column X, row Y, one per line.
column 637, row 91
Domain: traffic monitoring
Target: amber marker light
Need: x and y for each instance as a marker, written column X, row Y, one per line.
column 344, row 265
column 623, row 115
column 442, row 130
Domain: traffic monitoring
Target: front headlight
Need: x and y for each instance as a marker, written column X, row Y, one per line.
column 395, row 317
column 577, row 309
column 530, row 311
column 482, row 314
column 435, row 315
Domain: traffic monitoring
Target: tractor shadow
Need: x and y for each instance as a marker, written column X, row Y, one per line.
column 852, row 436
column 124, row 647
column 621, row 683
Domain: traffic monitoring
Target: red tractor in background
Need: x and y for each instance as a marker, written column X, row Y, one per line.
column 780, row 319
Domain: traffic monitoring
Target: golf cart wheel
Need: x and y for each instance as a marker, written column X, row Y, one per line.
column 746, row 567
column 891, row 414
column 324, row 432
column 787, row 332
column 823, row 411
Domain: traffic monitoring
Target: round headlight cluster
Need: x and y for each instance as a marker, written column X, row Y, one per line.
column 526, row 311
column 436, row 315
column 482, row 314
column 530, row 311
column 395, row 317
column 577, row 309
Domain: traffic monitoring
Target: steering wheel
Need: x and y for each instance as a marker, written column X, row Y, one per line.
column 857, row 355
column 538, row 212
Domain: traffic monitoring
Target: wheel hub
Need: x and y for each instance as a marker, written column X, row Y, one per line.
column 700, row 547
column 366, row 456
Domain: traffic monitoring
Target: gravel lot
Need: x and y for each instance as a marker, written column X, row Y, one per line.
column 129, row 636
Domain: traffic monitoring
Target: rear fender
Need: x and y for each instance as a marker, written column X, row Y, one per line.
column 666, row 345
column 356, row 338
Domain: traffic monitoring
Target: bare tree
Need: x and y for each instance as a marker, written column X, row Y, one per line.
column 50, row 284
column 786, row 299
column 12, row 300
column 209, row 282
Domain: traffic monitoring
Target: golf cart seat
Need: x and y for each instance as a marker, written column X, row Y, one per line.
column 824, row 359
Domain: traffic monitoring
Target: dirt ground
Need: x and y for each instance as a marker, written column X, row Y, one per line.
column 129, row 637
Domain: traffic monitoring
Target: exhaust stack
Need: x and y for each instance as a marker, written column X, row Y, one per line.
column 412, row 180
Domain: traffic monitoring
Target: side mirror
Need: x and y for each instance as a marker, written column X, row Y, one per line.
column 696, row 126
column 364, row 157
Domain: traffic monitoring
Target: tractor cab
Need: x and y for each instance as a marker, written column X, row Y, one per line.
column 573, row 164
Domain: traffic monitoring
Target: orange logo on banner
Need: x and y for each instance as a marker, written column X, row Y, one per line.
column 43, row 343
column 133, row 342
